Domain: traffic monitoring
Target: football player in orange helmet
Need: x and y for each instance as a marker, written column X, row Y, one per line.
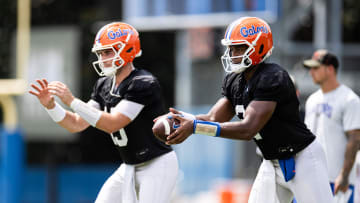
column 115, row 45
column 122, row 40
column 262, row 95
column 252, row 33
column 123, row 103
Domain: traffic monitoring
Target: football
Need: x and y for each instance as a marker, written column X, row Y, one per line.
column 163, row 127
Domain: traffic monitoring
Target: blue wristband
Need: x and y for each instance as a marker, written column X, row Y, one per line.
column 207, row 128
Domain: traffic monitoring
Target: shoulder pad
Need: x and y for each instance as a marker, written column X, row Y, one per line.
column 143, row 90
column 141, row 83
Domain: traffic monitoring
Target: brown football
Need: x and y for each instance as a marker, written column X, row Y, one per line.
column 163, row 127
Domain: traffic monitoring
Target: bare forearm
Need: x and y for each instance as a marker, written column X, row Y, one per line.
column 204, row 117
column 88, row 115
column 237, row 130
column 112, row 122
column 240, row 130
column 73, row 122
column 350, row 155
column 222, row 111
column 216, row 116
column 247, row 128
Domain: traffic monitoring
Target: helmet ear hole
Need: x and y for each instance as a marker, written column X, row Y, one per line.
column 247, row 61
column 129, row 50
column 261, row 48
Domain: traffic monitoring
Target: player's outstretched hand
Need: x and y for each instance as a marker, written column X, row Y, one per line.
column 182, row 132
column 43, row 93
column 62, row 91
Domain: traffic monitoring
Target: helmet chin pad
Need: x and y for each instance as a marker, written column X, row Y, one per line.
column 228, row 61
column 109, row 71
column 116, row 62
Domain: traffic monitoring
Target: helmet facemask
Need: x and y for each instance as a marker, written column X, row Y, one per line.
column 116, row 45
column 117, row 61
column 228, row 60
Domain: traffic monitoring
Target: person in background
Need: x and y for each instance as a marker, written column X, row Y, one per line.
column 357, row 179
column 123, row 103
column 332, row 113
column 301, row 110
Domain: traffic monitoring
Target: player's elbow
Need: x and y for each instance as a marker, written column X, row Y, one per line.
column 251, row 129
column 110, row 129
column 111, row 123
column 74, row 130
column 248, row 136
column 244, row 134
column 108, row 125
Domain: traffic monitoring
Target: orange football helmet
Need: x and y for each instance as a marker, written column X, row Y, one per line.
column 253, row 32
column 123, row 40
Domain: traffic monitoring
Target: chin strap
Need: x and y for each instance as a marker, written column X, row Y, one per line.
column 113, row 87
column 114, row 83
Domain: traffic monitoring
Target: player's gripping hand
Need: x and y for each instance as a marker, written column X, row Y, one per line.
column 62, row 91
column 185, row 129
column 43, row 94
column 172, row 111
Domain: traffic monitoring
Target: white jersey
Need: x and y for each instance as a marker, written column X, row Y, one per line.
column 329, row 116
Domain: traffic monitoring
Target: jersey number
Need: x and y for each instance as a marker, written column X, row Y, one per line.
column 240, row 112
column 119, row 138
column 123, row 138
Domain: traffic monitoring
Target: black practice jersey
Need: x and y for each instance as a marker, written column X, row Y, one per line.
column 136, row 142
column 284, row 134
